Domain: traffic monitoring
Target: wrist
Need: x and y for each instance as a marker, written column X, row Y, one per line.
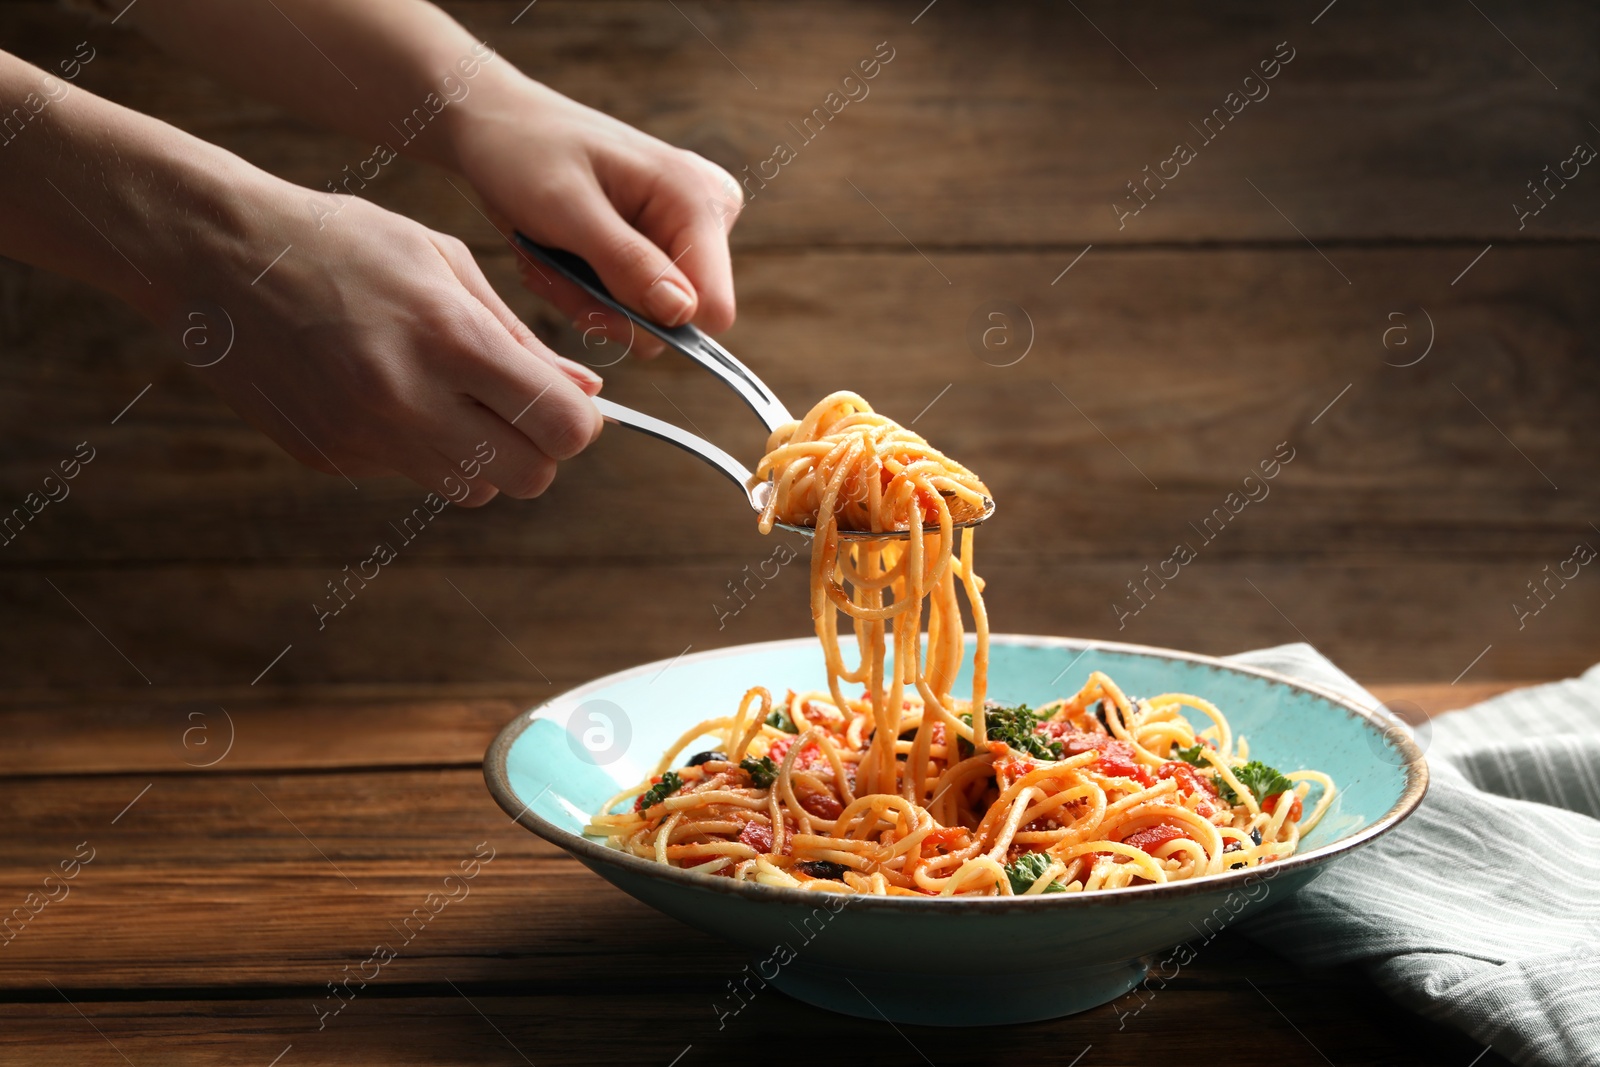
column 203, row 224
column 487, row 110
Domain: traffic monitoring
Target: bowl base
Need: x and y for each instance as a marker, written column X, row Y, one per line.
column 984, row 1000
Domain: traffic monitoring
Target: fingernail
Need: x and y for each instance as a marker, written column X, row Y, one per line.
column 668, row 303
column 578, row 371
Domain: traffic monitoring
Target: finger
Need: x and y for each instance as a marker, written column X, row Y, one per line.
column 471, row 276
column 541, row 404
column 544, row 405
column 487, row 448
column 693, row 216
column 636, row 271
column 726, row 202
column 437, row 473
column 543, row 282
column 607, row 335
column 498, row 372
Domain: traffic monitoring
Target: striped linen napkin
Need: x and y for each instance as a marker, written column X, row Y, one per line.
column 1482, row 910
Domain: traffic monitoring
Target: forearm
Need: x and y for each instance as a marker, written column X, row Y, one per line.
column 404, row 77
column 104, row 194
column 396, row 72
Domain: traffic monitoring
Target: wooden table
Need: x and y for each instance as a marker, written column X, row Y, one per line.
column 1254, row 301
column 221, row 901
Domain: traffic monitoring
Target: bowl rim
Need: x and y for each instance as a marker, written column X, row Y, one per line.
column 1386, row 722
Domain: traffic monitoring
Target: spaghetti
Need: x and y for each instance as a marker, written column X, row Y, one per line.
column 908, row 789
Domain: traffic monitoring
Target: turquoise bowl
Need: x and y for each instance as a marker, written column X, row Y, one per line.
column 1014, row 959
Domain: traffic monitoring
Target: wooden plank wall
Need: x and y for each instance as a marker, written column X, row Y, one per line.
column 1245, row 306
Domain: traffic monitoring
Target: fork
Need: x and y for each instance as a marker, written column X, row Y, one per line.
column 690, row 341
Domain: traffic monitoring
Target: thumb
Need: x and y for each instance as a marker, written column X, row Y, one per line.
column 638, row 272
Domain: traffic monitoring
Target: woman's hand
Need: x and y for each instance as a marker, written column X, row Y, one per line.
column 374, row 345
column 364, row 342
column 653, row 220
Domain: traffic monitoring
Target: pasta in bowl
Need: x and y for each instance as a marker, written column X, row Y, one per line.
column 1019, row 956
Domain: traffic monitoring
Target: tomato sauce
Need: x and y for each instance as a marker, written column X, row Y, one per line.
column 1270, row 806
column 1153, row 837
column 1190, row 781
column 1116, row 758
column 757, row 836
column 822, row 805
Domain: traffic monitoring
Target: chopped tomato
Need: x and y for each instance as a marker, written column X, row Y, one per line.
column 809, row 757
column 1153, row 837
column 822, row 805
column 1061, row 730
column 945, row 838
column 1116, row 757
column 1190, row 781
column 815, row 709
column 638, row 801
column 1009, row 770
column 1270, row 805
column 757, row 836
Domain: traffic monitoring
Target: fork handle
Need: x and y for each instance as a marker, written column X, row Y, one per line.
column 686, row 339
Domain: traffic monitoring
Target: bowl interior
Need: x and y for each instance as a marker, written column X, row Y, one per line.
column 562, row 760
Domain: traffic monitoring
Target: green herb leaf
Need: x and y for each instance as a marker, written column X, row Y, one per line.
column 780, row 719
column 763, row 772
column 670, row 783
column 1018, row 728
column 1192, row 755
column 1027, row 869
column 1261, row 780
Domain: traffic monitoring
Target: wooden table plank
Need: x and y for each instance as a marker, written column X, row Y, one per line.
column 177, row 731
column 1194, row 398
column 1013, row 124
column 241, row 730
column 1401, row 494
column 652, row 1025
column 226, row 626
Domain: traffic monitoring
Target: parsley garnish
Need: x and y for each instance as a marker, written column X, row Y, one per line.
column 780, row 719
column 1018, row 728
column 1261, row 780
column 1192, row 756
column 670, row 783
column 763, row 772
column 1027, row 869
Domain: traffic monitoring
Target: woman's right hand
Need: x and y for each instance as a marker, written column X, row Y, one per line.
column 374, row 344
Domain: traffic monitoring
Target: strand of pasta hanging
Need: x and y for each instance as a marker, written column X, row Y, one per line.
column 908, row 788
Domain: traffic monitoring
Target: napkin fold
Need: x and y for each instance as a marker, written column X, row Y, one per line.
column 1482, row 910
